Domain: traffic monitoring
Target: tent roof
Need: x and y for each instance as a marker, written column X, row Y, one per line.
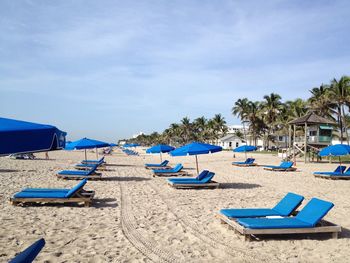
column 312, row 118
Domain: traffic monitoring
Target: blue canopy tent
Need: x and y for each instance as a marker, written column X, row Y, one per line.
column 335, row 150
column 160, row 148
column 86, row 143
column 245, row 149
column 26, row 137
column 196, row 148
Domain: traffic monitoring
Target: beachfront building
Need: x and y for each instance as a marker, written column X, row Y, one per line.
column 230, row 141
column 316, row 133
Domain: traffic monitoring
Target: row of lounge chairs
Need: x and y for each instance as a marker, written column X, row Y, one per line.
column 88, row 170
column 283, row 167
column 130, row 152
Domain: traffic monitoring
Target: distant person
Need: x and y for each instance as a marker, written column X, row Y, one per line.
column 47, row 156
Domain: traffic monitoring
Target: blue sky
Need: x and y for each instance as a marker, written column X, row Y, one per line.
column 110, row 69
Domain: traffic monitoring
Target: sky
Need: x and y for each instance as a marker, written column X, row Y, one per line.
column 111, row 69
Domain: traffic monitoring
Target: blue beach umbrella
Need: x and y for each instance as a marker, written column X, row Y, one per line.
column 23, row 137
column 86, row 143
column 245, row 149
column 196, row 148
column 30, row 253
column 160, row 148
column 335, row 150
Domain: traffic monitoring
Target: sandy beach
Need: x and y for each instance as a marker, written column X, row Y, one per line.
column 137, row 218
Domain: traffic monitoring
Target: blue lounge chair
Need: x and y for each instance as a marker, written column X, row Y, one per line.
column 339, row 170
column 46, row 195
column 308, row 220
column 248, row 162
column 88, row 166
column 102, row 160
column 334, row 175
column 29, row 254
column 177, row 170
column 203, row 180
column 162, row 165
column 91, row 174
column 285, row 207
column 284, row 166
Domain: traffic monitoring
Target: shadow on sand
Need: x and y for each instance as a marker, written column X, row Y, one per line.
column 9, row 170
column 123, row 165
column 238, row 186
column 126, row 179
column 104, row 202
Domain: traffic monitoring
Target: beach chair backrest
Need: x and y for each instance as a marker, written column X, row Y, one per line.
column 250, row 160
column 164, row 163
column 347, row 171
column 314, row 211
column 101, row 160
column 93, row 169
column 340, row 169
column 208, row 177
column 286, row 164
column 288, row 204
column 76, row 188
column 202, row 175
column 177, row 168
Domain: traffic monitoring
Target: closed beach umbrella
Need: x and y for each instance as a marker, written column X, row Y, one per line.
column 196, row 148
column 25, row 137
column 160, row 148
column 86, row 143
column 335, row 150
column 30, row 253
column 245, row 149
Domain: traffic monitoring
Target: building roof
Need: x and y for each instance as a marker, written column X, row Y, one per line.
column 229, row 137
column 311, row 118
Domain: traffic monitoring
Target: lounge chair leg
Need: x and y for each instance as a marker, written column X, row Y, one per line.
column 247, row 238
column 86, row 204
column 335, row 235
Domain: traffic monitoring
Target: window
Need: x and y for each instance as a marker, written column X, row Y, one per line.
column 313, row 133
column 237, row 144
column 230, row 144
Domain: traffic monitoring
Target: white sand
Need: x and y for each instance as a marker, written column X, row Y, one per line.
column 137, row 218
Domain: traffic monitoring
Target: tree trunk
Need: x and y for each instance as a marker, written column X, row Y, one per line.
column 340, row 124
column 345, row 125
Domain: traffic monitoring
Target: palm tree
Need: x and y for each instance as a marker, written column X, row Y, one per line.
column 186, row 130
column 320, row 102
column 200, row 126
column 271, row 108
column 256, row 123
column 240, row 109
column 340, row 96
column 219, row 127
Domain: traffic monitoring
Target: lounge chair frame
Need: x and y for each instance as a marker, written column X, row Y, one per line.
column 94, row 176
column 81, row 196
column 211, row 184
column 291, row 169
column 333, row 177
column 322, row 227
column 158, row 167
column 101, row 167
column 245, row 164
column 181, row 173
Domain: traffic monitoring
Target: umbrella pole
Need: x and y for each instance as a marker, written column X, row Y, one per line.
column 197, row 165
column 85, row 155
column 245, row 152
column 96, row 153
column 160, row 157
column 340, row 165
